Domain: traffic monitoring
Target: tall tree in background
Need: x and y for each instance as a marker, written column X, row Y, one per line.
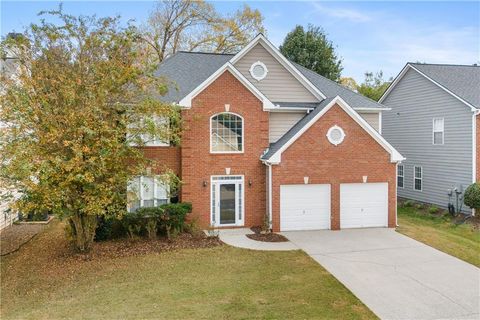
column 374, row 85
column 80, row 84
column 196, row 26
column 312, row 50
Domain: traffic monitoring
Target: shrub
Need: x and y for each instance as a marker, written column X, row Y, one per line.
column 472, row 196
column 408, row 203
column 109, row 228
column 172, row 219
column 433, row 210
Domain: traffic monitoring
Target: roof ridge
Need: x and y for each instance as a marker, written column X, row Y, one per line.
column 444, row 64
column 204, row 52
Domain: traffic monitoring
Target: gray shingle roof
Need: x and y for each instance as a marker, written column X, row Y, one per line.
column 462, row 80
column 274, row 147
column 189, row 69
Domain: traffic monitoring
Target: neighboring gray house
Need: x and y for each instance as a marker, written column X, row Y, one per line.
column 432, row 122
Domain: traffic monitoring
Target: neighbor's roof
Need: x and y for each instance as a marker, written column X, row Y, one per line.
column 462, row 80
column 187, row 70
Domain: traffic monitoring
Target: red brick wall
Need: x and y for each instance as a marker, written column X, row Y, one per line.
column 164, row 157
column 198, row 164
column 478, row 148
column 313, row 156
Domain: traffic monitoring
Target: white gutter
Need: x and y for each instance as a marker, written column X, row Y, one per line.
column 269, row 195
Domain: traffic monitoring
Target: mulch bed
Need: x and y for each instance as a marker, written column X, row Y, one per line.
column 266, row 237
column 16, row 235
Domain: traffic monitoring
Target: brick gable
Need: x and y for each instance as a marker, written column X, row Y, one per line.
column 198, row 164
column 314, row 157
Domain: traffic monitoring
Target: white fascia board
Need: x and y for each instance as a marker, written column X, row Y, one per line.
column 409, row 66
column 395, row 156
column 282, row 60
column 186, row 102
column 290, row 109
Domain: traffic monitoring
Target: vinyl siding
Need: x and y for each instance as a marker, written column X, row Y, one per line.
column 415, row 101
column 281, row 122
column 279, row 84
column 371, row 118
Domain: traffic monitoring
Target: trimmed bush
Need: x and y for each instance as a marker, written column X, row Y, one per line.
column 472, row 196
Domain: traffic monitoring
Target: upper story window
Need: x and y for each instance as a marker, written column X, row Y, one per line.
column 417, row 178
column 146, row 139
column 438, row 130
column 226, row 133
column 400, row 176
column 258, row 71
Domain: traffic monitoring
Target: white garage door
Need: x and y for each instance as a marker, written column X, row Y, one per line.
column 363, row 205
column 304, row 207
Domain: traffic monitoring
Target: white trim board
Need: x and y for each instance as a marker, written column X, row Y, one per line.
column 260, row 38
column 395, row 156
column 404, row 71
column 186, row 102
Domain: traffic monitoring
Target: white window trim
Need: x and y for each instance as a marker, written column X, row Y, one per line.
column 243, row 135
column 142, row 186
column 403, row 176
column 261, row 64
column 442, row 131
column 421, row 179
column 329, row 135
column 234, row 179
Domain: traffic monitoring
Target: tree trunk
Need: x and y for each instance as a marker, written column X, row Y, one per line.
column 83, row 231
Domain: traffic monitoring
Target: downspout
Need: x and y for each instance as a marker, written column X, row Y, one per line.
column 269, row 195
column 476, row 113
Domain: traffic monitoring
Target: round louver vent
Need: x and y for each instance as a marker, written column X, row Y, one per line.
column 335, row 135
column 258, row 70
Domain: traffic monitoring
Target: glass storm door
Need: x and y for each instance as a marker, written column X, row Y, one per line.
column 227, row 201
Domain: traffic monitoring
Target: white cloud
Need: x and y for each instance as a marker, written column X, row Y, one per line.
column 342, row 13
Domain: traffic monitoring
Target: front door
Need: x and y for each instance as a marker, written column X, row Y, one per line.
column 227, row 201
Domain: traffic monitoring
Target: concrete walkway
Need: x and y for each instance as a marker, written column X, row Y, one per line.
column 394, row 275
column 238, row 238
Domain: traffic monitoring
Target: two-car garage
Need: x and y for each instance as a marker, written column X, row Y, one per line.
column 308, row 206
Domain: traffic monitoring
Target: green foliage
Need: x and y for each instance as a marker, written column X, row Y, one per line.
column 472, row 196
column 408, row 203
column 312, row 50
column 80, row 83
column 168, row 219
column 374, row 85
column 433, row 210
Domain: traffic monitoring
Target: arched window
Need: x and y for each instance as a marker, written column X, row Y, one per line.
column 226, row 133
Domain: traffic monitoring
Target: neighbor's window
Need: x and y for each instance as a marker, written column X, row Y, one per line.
column 226, row 133
column 400, row 176
column 438, row 130
column 146, row 192
column 417, row 178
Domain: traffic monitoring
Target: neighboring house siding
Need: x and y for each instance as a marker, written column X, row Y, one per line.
column 279, row 84
column 415, row 101
column 281, row 122
column 313, row 156
column 372, row 119
column 477, row 175
column 198, row 164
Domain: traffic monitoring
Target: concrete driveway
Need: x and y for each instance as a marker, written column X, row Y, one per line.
column 395, row 276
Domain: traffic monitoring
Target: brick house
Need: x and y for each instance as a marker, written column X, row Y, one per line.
column 265, row 138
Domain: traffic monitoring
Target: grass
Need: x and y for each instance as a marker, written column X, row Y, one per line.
column 440, row 232
column 42, row 281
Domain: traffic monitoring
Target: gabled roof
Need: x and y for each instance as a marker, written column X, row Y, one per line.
column 260, row 39
column 187, row 100
column 461, row 81
column 274, row 152
column 187, row 70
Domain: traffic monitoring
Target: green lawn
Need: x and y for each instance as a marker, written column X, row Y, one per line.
column 461, row 241
column 38, row 282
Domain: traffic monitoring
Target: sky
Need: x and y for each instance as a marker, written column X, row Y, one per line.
column 368, row 36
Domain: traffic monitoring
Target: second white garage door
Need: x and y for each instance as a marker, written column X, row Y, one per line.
column 304, row 207
column 363, row 205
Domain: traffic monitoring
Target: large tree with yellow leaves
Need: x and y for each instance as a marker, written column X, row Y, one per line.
column 79, row 84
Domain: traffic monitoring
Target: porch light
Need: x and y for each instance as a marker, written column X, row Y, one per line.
column 249, row 182
column 204, row 183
